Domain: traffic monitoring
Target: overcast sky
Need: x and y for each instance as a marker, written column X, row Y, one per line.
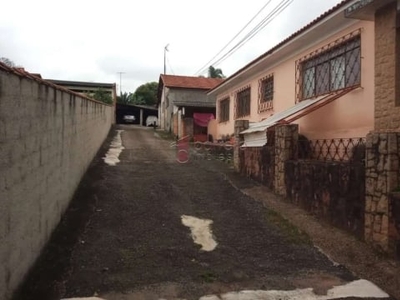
column 86, row 40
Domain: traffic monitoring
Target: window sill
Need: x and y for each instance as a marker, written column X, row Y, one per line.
column 354, row 87
column 241, row 118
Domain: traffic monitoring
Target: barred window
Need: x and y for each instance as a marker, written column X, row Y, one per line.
column 243, row 103
column 334, row 69
column 266, row 93
column 224, row 110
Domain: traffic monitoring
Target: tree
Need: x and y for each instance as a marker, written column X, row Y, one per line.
column 101, row 95
column 125, row 98
column 7, row 62
column 146, row 94
column 215, row 73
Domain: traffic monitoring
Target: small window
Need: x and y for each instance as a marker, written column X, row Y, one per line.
column 224, row 110
column 332, row 69
column 267, row 89
column 266, row 93
column 243, row 103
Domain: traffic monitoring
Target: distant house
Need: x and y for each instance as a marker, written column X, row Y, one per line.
column 184, row 108
column 321, row 78
column 87, row 88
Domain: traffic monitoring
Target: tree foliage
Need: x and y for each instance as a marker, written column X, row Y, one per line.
column 215, row 73
column 101, row 95
column 146, row 94
column 7, row 62
column 125, row 98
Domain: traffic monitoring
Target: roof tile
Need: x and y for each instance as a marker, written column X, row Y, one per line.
column 190, row 82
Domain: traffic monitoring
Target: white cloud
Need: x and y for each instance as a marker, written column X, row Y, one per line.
column 93, row 40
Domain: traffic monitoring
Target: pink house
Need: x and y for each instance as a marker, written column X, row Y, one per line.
column 321, row 78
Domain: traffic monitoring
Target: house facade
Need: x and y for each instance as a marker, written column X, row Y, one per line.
column 184, row 108
column 321, row 78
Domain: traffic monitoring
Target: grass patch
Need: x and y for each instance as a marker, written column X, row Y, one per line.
column 208, row 277
column 290, row 232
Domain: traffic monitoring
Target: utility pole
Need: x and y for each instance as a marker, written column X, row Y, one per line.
column 120, row 82
column 165, row 58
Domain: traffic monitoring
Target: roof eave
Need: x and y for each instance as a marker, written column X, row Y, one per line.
column 282, row 45
column 365, row 9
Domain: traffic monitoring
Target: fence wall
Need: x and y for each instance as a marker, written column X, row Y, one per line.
column 48, row 137
column 333, row 191
column 383, row 178
column 325, row 177
column 258, row 163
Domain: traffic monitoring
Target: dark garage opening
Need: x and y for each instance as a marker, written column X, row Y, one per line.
column 125, row 109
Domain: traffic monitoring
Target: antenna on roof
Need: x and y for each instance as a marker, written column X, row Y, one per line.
column 165, row 58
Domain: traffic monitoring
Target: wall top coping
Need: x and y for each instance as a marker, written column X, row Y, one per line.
column 20, row 72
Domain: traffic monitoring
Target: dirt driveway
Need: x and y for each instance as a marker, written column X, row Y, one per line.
column 129, row 234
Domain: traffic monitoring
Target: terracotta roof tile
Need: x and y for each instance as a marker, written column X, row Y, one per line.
column 189, row 82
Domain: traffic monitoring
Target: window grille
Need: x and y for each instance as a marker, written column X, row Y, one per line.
column 266, row 93
column 243, row 98
column 331, row 68
column 224, row 110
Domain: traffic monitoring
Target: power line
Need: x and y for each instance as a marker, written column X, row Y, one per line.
column 271, row 16
column 241, row 30
column 260, row 26
column 277, row 11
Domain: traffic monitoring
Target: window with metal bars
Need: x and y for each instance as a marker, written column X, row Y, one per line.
column 243, row 103
column 224, row 110
column 334, row 69
column 266, row 93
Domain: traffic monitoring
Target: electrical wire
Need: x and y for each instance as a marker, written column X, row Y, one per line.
column 206, row 65
column 260, row 26
column 276, row 12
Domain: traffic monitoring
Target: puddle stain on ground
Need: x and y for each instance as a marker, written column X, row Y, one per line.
column 112, row 155
column 359, row 288
column 355, row 289
column 201, row 232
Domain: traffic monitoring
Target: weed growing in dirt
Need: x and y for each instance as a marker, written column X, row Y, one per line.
column 208, row 277
column 290, row 232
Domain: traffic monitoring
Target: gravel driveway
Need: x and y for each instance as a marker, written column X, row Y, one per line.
column 138, row 230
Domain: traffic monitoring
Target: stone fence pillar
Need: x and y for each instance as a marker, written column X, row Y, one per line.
column 286, row 139
column 382, row 177
column 240, row 125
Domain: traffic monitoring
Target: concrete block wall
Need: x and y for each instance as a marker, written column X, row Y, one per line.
column 48, row 138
